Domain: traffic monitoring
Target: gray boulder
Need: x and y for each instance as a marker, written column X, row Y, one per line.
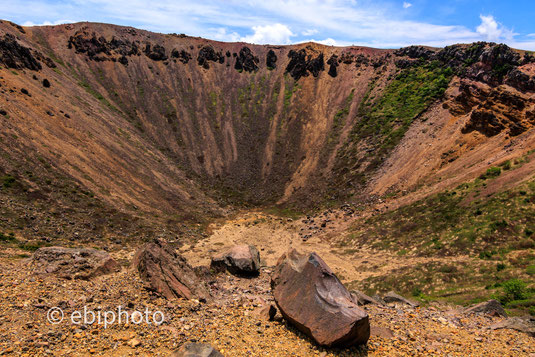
column 197, row 350
column 491, row 307
column 239, row 260
column 393, row 297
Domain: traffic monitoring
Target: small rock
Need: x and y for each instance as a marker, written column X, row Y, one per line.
column 197, row 350
column 491, row 307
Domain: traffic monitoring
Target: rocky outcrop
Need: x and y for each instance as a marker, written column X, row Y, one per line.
column 100, row 49
column 207, row 54
column 192, row 349
column 301, row 64
column 333, row 65
column 167, row 273
column 14, row 55
column 246, row 61
column 73, row 263
column 520, row 80
column 155, row 53
column 239, row 260
column 310, row 296
column 491, row 307
column 415, row 52
column 271, row 60
column 181, row 55
column 500, row 109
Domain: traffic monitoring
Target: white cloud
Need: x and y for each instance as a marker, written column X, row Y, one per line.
column 309, row 32
column 270, row 34
column 365, row 23
column 48, row 23
column 406, row 5
column 327, row 42
column 492, row 30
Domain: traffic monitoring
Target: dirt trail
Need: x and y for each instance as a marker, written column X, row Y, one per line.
column 273, row 236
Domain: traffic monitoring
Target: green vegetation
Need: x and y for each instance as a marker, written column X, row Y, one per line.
column 8, row 181
column 411, row 92
column 514, row 289
column 84, row 84
column 7, row 237
column 491, row 172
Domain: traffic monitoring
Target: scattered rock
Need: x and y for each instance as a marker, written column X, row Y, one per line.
column 46, row 83
column 524, row 324
column 197, row 350
column 310, row 296
column 73, row 263
column 383, row 332
column 267, row 312
column 239, row 260
column 167, row 273
column 491, row 307
column 25, row 91
column 393, row 297
column 364, row 299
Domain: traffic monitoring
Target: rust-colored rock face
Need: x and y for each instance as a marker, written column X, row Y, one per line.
column 312, row 298
column 167, row 273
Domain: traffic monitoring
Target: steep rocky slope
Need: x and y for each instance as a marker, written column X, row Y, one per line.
column 173, row 120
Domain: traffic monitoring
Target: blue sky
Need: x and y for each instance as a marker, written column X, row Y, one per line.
column 385, row 24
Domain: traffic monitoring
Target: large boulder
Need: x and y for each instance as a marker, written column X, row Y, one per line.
column 239, row 260
column 167, row 273
column 310, row 296
column 491, row 307
column 197, row 350
column 73, row 263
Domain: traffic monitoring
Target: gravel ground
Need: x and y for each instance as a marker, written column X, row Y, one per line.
column 230, row 322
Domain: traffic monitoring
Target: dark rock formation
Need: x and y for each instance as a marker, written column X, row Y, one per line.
column 155, row 53
column 301, row 64
column 167, row 273
column 312, row 298
column 346, row 58
column 46, row 83
column 181, row 55
column 491, row 307
column 333, row 63
column 208, row 54
column 520, row 80
column 100, row 49
column 14, row 55
column 415, row 52
column 239, row 260
column 192, row 349
column 246, row 61
column 271, row 60
column 316, row 65
column 72, row 263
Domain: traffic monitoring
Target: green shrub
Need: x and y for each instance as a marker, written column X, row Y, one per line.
column 500, row 267
column 8, row 181
column 7, row 238
column 491, row 173
column 515, row 289
column 530, row 270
